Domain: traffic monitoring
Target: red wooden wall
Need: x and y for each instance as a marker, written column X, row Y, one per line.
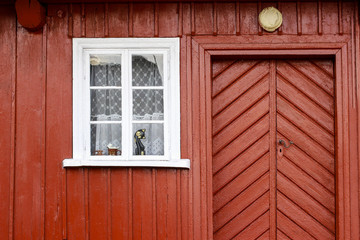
column 41, row 200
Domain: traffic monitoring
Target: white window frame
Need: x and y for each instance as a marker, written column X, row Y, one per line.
column 82, row 49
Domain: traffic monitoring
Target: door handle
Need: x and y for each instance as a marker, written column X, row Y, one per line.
column 284, row 143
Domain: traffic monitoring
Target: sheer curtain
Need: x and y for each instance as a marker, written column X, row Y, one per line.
column 105, row 106
column 148, row 105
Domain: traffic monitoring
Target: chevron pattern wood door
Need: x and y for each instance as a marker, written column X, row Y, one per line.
column 262, row 190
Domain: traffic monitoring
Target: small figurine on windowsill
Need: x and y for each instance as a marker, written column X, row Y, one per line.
column 140, row 148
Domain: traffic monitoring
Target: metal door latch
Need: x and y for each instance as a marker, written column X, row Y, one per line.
column 284, row 143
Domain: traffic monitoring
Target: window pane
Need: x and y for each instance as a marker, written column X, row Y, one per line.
column 153, row 143
column 105, row 139
column 148, row 104
column 147, row 70
column 105, row 70
column 105, row 104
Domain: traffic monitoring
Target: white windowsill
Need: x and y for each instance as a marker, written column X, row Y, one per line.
column 179, row 163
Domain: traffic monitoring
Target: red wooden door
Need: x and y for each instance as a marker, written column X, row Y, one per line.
column 261, row 188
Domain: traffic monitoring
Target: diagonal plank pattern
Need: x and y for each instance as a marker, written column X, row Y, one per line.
column 241, row 150
column 305, row 172
column 305, row 177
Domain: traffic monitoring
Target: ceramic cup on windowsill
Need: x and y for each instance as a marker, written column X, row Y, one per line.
column 113, row 150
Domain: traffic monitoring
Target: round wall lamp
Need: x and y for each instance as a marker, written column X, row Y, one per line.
column 270, row 19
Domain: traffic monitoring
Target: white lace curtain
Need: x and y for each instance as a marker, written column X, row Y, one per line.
column 147, row 105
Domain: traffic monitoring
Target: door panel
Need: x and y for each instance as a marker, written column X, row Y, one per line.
column 305, row 181
column 302, row 195
column 241, row 149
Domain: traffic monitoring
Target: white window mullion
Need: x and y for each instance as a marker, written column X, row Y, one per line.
column 87, row 107
column 125, row 103
column 130, row 107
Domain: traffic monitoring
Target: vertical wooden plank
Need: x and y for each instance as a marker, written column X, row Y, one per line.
column 289, row 11
column 119, row 187
column 339, row 141
column 58, row 115
column 346, row 157
column 309, row 16
column 298, row 14
column 143, row 20
column 106, row 20
column 131, row 203
column 87, row 203
column 356, row 187
column 280, row 31
column 193, row 25
column 7, row 118
column 320, row 18
column 83, row 20
column 70, row 20
column 171, row 204
column 142, row 204
column 196, row 166
column 95, row 21
column 77, row 20
column 131, row 20
column 64, row 215
column 178, row 204
column 156, row 19
column 273, row 146
column 237, row 15
column 340, row 21
column 161, row 202
column 204, row 18
column 215, row 28
column 154, row 203
column 109, row 205
column 248, row 18
column 98, row 203
column 29, row 124
column 166, row 204
column 185, row 109
column 227, row 20
column 168, row 21
column 118, row 20
column 259, row 9
column 348, row 12
column 186, row 18
column 76, row 223
column 208, row 141
column 203, row 151
column 330, row 18
column 180, row 19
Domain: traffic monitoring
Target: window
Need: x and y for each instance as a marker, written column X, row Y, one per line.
column 126, row 103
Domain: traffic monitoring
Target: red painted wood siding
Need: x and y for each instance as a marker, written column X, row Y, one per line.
column 41, row 200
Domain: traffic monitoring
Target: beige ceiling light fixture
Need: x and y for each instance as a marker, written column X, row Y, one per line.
column 270, row 19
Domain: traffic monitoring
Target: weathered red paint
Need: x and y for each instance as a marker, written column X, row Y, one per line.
column 43, row 200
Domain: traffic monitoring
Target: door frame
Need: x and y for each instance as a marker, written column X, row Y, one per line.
column 200, row 50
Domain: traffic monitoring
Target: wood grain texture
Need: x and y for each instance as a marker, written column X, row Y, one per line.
column 58, row 121
column 29, row 129
column 7, row 119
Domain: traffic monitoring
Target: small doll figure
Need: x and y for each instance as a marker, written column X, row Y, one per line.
column 140, row 148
